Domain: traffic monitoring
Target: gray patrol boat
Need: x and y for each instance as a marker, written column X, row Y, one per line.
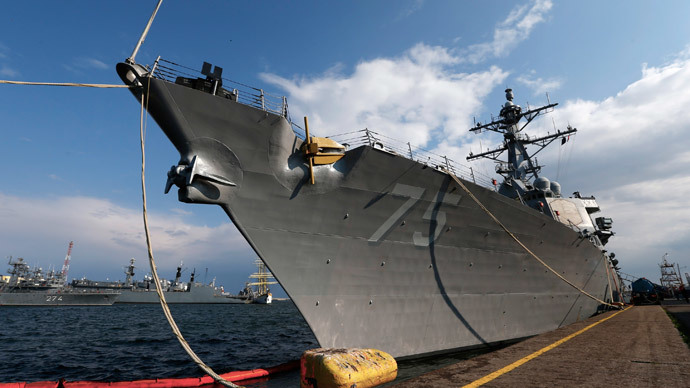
column 380, row 246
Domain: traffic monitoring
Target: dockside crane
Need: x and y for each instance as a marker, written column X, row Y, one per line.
column 65, row 266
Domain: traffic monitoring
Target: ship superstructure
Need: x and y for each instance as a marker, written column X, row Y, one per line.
column 377, row 247
column 520, row 172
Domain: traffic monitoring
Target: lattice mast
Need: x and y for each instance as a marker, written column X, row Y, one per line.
column 670, row 277
column 521, row 168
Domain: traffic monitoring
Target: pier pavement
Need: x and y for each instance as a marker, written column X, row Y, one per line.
column 636, row 347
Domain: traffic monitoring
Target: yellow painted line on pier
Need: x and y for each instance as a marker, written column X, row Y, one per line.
column 534, row 355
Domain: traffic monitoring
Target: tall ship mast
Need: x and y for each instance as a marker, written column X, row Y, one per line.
column 377, row 246
column 262, row 279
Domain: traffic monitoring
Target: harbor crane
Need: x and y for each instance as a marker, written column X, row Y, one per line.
column 65, row 266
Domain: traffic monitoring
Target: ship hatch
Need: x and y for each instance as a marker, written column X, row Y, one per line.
column 568, row 213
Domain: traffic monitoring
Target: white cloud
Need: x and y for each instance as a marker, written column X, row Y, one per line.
column 631, row 151
column 7, row 71
column 95, row 63
column 513, row 30
column 409, row 9
column 420, row 96
column 181, row 212
column 84, row 63
column 539, row 85
column 107, row 235
column 651, row 112
column 417, row 96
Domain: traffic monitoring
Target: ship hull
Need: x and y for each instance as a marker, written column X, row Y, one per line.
column 57, row 299
column 381, row 251
column 197, row 295
column 263, row 299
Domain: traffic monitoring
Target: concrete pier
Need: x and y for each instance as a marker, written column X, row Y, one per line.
column 636, row 347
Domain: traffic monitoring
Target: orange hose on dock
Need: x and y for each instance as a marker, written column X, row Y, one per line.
column 183, row 382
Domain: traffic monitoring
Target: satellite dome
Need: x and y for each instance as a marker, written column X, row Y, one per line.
column 556, row 188
column 542, row 184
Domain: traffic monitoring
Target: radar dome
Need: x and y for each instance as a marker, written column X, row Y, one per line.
column 556, row 188
column 542, row 184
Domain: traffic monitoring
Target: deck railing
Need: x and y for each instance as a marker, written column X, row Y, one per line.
column 248, row 95
column 258, row 98
column 418, row 154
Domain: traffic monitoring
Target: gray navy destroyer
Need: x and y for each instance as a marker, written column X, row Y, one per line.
column 27, row 286
column 176, row 291
column 380, row 246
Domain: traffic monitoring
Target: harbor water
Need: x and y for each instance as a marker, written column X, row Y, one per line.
column 126, row 342
column 131, row 342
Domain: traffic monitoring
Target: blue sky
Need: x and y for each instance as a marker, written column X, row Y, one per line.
column 415, row 70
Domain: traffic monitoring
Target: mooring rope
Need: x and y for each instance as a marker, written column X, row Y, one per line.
column 608, row 279
column 459, row 182
column 152, row 263
column 154, row 272
column 65, row 84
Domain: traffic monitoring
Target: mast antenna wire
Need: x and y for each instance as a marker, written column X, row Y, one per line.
column 558, row 167
column 570, row 154
column 130, row 60
column 152, row 263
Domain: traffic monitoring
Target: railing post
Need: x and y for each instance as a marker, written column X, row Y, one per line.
column 155, row 65
column 368, row 136
column 263, row 102
column 410, row 148
column 472, row 173
column 285, row 112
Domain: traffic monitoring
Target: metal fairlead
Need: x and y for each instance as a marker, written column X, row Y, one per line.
column 320, row 150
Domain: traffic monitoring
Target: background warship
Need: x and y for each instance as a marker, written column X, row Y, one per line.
column 26, row 286
column 378, row 247
column 176, row 291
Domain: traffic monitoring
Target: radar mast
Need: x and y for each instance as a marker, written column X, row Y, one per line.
column 521, row 169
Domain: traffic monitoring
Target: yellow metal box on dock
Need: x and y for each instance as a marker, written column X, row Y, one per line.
column 340, row 368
